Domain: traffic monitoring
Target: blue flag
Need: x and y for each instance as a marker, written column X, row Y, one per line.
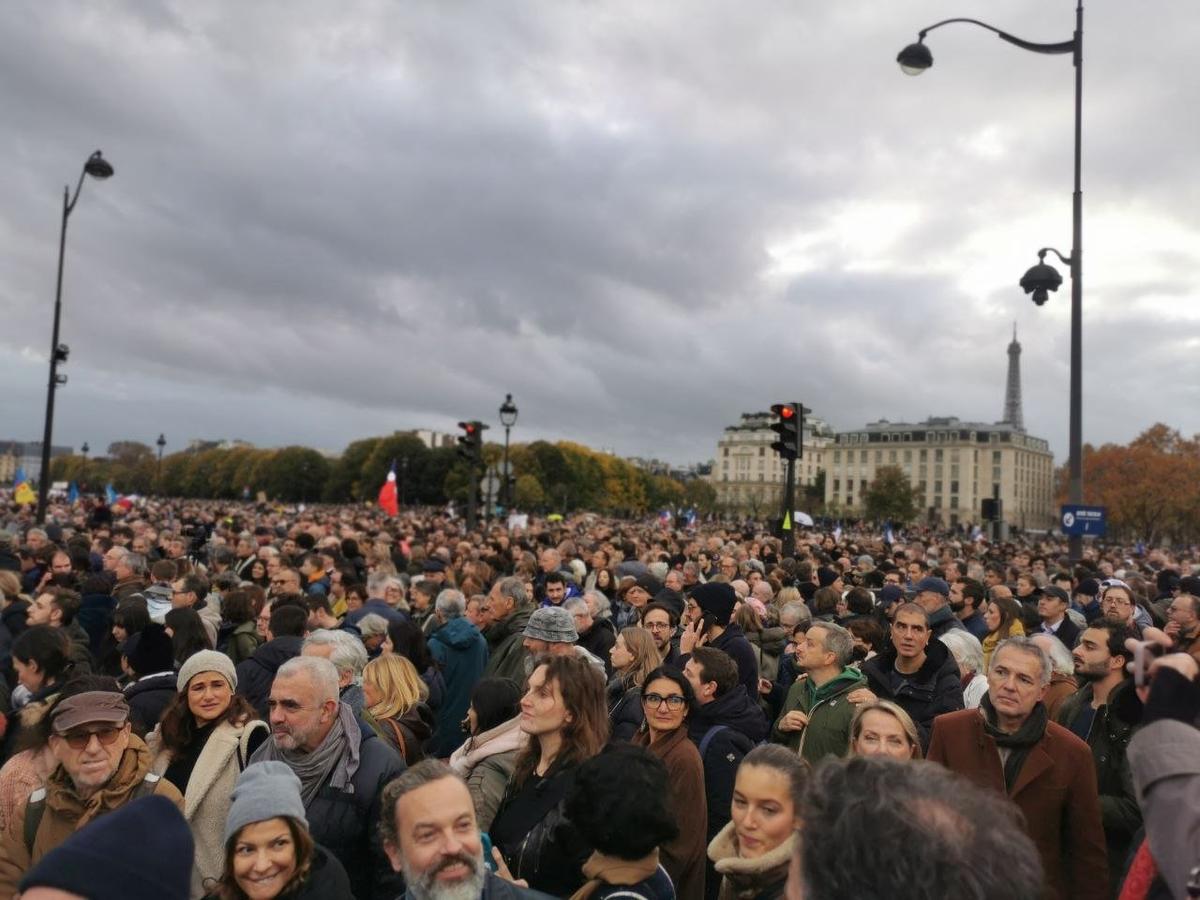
column 19, row 476
column 109, row 494
column 73, row 494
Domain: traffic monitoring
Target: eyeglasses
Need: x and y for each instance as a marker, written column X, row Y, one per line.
column 657, row 626
column 655, row 701
column 1115, row 601
column 79, row 740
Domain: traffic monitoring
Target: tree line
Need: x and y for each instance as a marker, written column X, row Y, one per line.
column 562, row 476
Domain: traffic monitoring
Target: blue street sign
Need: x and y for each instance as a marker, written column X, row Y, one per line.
column 1084, row 520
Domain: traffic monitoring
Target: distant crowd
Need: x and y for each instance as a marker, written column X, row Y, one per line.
column 219, row 700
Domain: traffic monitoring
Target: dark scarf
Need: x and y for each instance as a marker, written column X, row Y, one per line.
column 1019, row 743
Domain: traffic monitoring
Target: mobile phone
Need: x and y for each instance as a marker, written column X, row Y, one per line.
column 486, row 840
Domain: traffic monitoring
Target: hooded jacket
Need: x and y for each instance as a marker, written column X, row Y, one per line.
column 487, row 761
column 255, row 674
column 829, row 715
column 147, row 698
column 933, row 689
column 461, row 655
column 65, row 812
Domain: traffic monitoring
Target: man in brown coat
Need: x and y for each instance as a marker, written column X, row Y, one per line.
column 1009, row 745
column 101, row 766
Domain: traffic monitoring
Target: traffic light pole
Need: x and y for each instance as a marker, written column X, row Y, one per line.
column 789, row 526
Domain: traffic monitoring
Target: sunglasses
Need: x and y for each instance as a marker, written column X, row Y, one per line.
column 79, row 740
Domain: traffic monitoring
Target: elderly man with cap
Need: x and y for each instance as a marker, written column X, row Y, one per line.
column 551, row 632
column 100, row 766
column 933, row 595
column 709, row 609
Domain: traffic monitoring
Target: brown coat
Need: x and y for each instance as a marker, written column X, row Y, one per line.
column 1061, row 687
column 683, row 858
column 66, row 812
column 1055, row 790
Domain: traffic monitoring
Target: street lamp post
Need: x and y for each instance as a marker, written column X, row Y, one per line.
column 160, row 443
column 83, row 468
column 915, row 59
column 98, row 167
column 508, row 418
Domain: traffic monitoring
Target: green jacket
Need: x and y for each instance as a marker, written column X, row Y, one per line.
column 829, row 714
column 506, row 645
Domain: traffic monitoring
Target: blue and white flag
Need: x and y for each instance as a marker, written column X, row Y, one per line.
column 837, row 532
column 19, row 477
column 889, row 536
column 73, row 494
column 110, row 495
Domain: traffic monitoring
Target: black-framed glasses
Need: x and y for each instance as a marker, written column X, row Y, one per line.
column 655, row 701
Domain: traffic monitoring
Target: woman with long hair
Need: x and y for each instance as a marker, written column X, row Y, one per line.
column 395, row 706
column 202, row 743
column 634, row 656
column 752, row 853
column 882, row 728
column 408, row 640
column 563, row 714
column 1002, row 616
column 268, row 853
column 257, row 574
column 667, row 699
column 487, row 759
column 40, row 657
column 129, row 618
column 188, row 634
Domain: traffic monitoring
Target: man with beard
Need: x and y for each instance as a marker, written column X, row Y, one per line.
column 966, row 598
column 663, row 624
column 342, row 766
column 1091, row 713
column 431, row 837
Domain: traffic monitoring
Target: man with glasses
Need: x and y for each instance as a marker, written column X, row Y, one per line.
column 663, row 624
column 99, row 766
column 1183, row 617
column 342, row 766
column 1117, row 605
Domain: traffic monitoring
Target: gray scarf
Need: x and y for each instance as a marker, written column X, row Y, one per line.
column 336, row 759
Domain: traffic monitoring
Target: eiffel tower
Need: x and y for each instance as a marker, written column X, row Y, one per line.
column 1012, row 389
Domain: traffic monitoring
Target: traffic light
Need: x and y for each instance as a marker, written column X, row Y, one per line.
column 470, row 443
column 789, row 420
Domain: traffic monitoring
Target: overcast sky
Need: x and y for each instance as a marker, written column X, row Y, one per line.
column 335, row 220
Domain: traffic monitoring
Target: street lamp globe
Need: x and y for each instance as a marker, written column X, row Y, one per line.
column 98, row 167
column 914, row 59
column 508, row 412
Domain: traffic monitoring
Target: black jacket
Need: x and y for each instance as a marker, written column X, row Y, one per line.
column 599, row 641
column 326, row 880
column 147, row 700
column 625, row 713
column 733, row 641
column 737, row 725
column 496, row 888
column 551, row 853
column 255, row 674
column 347, row 824
column 1068, row 633
column 934, row 689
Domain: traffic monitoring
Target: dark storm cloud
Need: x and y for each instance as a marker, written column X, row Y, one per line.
column 640, row 219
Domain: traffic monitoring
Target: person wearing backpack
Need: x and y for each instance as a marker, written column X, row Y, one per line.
column 725, row 725
column 202, row 744
column 100, row 766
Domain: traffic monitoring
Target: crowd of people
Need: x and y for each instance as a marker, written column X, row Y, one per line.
column 215, row 700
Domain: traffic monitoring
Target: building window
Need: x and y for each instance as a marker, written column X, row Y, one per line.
column 937, row 502
column 726, row 451
column 924, row 455
column 954, row 503
column 996, row 457
column 837, row 456
column 862, row 456
column 878, row 457
column 954, row 487
column 837, row 485
column 908, row 456
column 891, row 456
column 762, row 451
column 937, row 455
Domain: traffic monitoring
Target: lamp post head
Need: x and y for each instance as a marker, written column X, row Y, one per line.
column 508, row 412
column 915, row 58
column 161, row 442
column 98, row 167
column 85, row 448
column 1039, row 280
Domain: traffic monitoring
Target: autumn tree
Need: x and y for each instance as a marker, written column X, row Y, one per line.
column 890, row 497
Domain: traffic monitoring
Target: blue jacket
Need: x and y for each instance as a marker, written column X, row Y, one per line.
column 461, row 653
column 393, row 615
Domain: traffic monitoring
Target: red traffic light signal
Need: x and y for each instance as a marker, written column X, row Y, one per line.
column 786, row 411
column 788, row 425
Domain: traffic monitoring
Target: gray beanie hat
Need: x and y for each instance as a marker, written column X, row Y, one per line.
column 206, row 661
column 265, row 790
column 552, row 624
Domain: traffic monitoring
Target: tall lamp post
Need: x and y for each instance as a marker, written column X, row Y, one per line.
column 98, row 167
column 508, row 418
column 915, row 59
column 83, row 468
column 160, row 443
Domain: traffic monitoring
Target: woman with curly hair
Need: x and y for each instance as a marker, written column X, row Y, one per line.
column 269, row 854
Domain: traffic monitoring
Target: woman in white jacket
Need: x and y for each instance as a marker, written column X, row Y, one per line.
column 201, row 745
column 489, row 755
